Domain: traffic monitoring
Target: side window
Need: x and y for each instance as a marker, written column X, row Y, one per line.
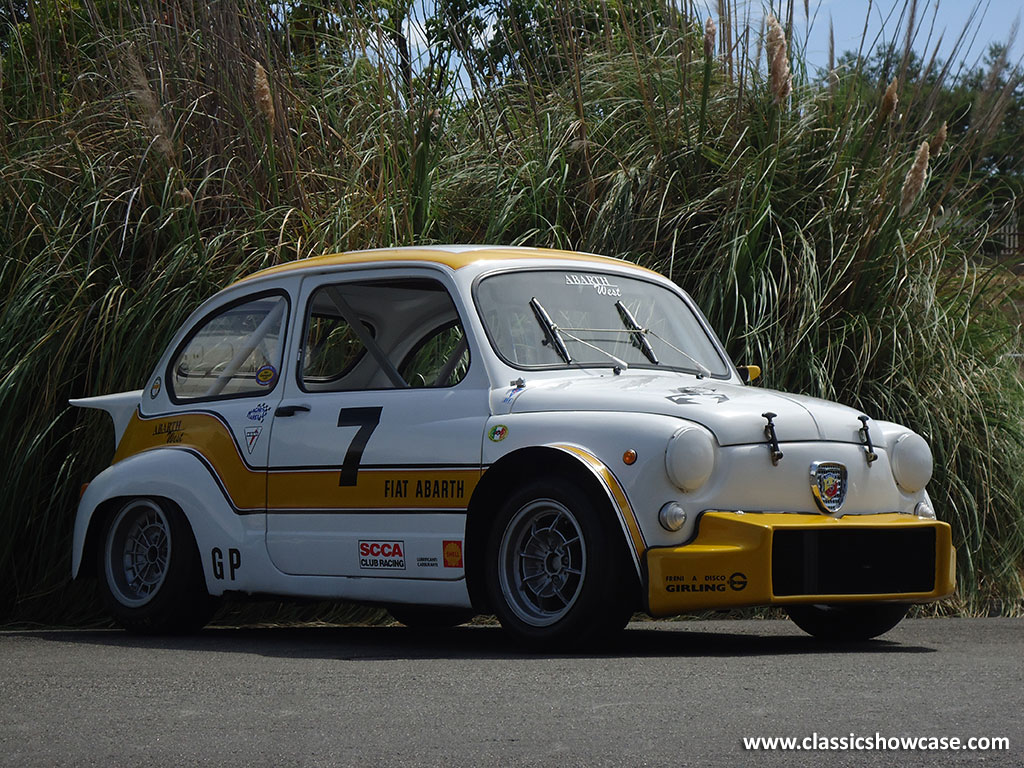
column 441, row 359
column 236, row 352
column 332, row 348
column 382, row 334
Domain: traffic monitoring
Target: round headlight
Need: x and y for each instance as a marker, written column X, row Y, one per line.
column 911, row 460
column 690, row 458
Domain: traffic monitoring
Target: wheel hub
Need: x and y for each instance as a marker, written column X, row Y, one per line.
column 543, row 561
column 138, row 552
column 553, row 563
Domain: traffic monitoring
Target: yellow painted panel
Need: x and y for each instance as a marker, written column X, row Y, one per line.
column 206, row 435
column 374, row 489
column 318, row 489
column 729, row 564
column 452, row 259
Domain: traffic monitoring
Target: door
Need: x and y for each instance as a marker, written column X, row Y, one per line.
column 376, row 445
column 223, row 383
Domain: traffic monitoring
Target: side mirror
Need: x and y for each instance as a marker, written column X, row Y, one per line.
column 748, row 372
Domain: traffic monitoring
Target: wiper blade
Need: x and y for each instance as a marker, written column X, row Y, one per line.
column 636, row 332
column 550, row 330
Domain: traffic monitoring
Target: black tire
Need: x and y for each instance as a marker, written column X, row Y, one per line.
column 847, row 623
column 430, row 617
column 150, row 575
column 558, row 574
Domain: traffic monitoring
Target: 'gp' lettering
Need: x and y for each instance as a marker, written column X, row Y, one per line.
column 234, row 562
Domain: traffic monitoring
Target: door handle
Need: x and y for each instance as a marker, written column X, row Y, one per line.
column 290, row 410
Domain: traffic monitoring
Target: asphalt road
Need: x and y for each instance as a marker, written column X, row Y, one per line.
column 670, row 694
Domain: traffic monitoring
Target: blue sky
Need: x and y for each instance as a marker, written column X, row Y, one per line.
column 987, row 21
column 992, row 22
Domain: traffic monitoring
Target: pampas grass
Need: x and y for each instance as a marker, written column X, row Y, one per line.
column 778, row 61
column 127, row 198
column 914, row 182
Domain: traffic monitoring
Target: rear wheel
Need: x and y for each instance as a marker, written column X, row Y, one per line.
column 428, row 617
column 558, row 574
column 839, row 623
column 150, row 575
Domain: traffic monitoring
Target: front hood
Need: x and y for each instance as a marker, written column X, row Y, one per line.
column 731, row 411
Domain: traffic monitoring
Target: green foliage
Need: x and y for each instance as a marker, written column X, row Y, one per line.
column 144, row 166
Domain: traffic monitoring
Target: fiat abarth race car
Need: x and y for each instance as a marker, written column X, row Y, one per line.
column 556, row 438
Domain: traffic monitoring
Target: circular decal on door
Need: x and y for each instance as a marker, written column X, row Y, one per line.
column 497, row 433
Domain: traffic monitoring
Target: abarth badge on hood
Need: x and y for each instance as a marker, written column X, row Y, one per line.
column 828, row 484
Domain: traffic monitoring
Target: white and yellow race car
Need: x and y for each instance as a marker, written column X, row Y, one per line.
column 556, row 438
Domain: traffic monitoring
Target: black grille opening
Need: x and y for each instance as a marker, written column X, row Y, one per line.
column 853, row 562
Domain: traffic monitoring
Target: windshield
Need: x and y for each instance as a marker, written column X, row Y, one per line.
column 558, row 318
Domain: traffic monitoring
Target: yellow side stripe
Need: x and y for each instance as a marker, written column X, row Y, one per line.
column 252, row 489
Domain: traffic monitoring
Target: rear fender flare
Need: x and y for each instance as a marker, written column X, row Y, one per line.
column 178, row 476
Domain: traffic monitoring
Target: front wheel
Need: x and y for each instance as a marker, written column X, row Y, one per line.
column 558, row 574
column 150, row 575
column 839, row 623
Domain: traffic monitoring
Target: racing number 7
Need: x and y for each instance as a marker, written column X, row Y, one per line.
column 367, row 420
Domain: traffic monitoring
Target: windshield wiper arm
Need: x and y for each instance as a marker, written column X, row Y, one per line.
column 550, row 330
column 619, row 362
column 636, row 332
column 704, row 370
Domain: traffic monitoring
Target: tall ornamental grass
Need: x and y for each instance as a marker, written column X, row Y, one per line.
column 831, row 225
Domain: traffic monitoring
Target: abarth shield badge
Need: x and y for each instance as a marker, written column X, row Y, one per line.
column 828, row 484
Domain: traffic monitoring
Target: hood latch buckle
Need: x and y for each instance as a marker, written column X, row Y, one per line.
column 773, row 441
column 865, row 436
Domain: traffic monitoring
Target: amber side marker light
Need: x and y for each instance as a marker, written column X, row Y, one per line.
column 629, row 457
column 81, row 491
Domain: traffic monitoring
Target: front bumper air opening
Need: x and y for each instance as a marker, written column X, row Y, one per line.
column 875, row 562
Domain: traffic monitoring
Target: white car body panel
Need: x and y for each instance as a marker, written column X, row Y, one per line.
column 120, row 406
column 257, row 534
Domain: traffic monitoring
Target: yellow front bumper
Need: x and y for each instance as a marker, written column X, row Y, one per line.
column 859, row 558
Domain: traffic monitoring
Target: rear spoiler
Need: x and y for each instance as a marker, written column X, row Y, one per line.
column 120, row 406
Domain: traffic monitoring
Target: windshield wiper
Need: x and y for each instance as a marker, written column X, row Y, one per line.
column 636, row 332
column 618, row 362
column 554, row 336
column 704, row 370
column 550, row 330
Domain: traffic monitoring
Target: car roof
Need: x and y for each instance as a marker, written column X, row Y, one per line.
column 452, row 256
